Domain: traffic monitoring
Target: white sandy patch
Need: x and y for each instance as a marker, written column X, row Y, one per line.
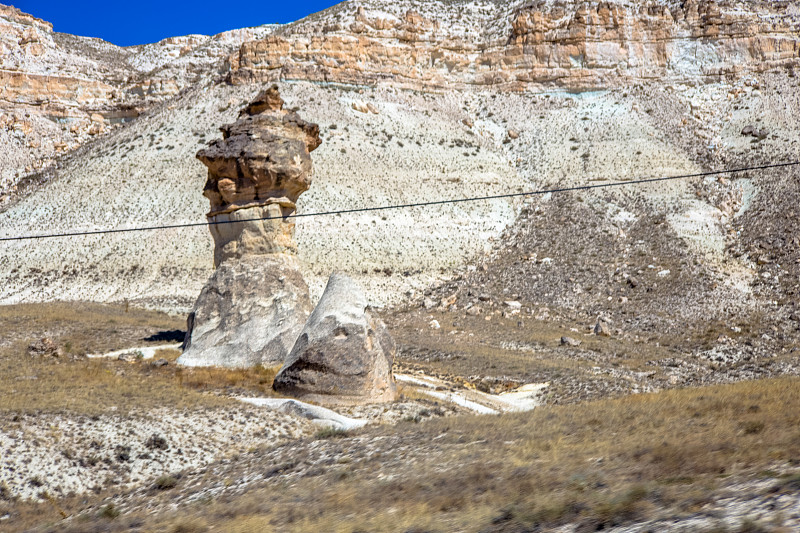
column 146, row 352
column 316, row 414
column 63, row 453
column 524, row 398
column 699, row 226
column 749, row 192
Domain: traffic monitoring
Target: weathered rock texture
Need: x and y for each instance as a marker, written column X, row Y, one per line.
column 263, row 165
column 344, row 353
column 64, row 90
column 248, row 314
column 253, row 307
column 519, row 45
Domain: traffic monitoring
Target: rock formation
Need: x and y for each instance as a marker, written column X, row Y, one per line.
column 344, row 353
column 262, row 165
column 253, row 307
column 521, row 45
column 49, row 79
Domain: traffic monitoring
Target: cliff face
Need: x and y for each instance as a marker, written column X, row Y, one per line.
column 58, row 91
column 518, row 45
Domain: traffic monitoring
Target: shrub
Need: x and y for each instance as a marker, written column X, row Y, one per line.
column 165, row 483
column 108, row 511
column 331, row 433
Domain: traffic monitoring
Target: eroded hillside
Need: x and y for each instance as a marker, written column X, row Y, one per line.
column 393, row 135
column 60, row 91
column 654, row 327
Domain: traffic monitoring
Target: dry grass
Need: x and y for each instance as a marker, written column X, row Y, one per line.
column 466, row 347
column 254, row 380
column 83, row 327
column 72, row 383
column 600, row 464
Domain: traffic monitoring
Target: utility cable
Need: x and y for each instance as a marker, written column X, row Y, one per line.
column 403, row 206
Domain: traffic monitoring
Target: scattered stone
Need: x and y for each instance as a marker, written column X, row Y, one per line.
column 513, row 134
column 434, row 324
column 122, row 453
column 569, row 341
column 633, row 282
column 468, row 123
column 360, row 106
column 428, row 303
column 485, row 385
column 269, row 100
column 44, row 347
column 474, row 310
column 156, row 442
column 130, row 357
column 159, row 363
column 344, row 353
column 447, row 302
column 372, row 108
column 513, row 304
column 602, row 329
column 755, row 132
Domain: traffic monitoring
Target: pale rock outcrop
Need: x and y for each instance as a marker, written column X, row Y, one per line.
column 248, row 314
column 256, row 302
column 344, row 353
column 520, row 44
column 262, row 165
column 58, row 78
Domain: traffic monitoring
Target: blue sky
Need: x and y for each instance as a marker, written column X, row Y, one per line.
column 132, row 22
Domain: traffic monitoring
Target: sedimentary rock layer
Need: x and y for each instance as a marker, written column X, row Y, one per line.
column 262, row 158
column 255, row 175
column 249, row 314
column 519, row 45
column 60, row 85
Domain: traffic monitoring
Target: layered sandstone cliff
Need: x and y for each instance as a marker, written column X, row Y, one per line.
column 521, row 45
column 59, row 91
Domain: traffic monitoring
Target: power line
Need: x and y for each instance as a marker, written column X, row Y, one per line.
column 403, row 206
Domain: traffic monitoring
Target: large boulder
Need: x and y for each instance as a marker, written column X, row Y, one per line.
column 249, row 313
column 254, row 305
column 344, row 354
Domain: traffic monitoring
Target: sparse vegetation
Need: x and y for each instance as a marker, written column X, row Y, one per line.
column 599, row 464
column 165, row 483
column 331, row 433
column 93, row 386
column 691, row 399
column 109, row 512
